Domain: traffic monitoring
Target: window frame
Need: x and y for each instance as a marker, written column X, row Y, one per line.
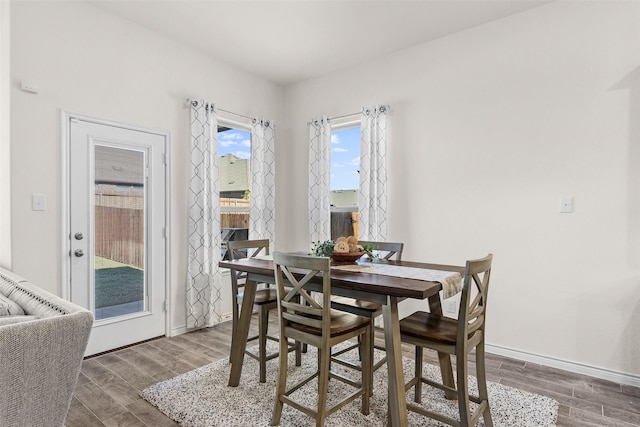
column 245, row 127
column 336, row 126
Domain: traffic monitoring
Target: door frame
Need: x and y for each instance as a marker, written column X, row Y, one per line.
column 65, row 239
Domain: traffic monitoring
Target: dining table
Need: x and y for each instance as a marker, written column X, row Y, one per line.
column 360, row 281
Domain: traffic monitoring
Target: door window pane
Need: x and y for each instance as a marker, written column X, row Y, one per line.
column 119, row 232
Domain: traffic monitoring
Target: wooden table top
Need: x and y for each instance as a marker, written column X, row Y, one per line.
column 361, row 280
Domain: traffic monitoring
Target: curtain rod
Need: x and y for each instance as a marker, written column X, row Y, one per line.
column 366, row 111
column 344, row 116
column 193, row 102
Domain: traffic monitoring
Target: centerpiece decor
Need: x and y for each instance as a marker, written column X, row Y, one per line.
column 342, row 250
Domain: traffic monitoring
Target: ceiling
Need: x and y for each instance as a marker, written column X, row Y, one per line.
column 291, row 41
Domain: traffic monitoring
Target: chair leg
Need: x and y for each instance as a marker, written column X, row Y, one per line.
column 234, row 325
column 417, row 390
column 446, row 371
column 263, row 326
column 281, row 386
column 372, row 335
column 366, row 346
column 298, row 351
column 463, row 389
column 323, row 384
column 483, row 393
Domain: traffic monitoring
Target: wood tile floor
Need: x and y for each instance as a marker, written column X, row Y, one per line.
column 108, row 388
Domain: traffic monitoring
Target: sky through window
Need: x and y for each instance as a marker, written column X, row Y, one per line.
column 345, row 159
column 235, row 141
column 345, row 154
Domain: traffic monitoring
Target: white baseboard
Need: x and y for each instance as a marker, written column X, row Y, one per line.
column 579, row 368
column 183, row 328
column 178, row 331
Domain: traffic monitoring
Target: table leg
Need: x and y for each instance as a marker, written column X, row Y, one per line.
column 239, row 340
column 397, row 398
column 435, row 307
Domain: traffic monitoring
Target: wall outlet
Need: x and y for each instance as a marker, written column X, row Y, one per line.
column 566, row 204
column 450, row 306
column 378, row 322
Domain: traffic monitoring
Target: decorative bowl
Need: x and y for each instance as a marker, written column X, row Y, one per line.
column 346, row 256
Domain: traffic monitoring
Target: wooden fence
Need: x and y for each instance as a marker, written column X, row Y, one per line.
column 227, row 201
column 119, row 235
column 344, row 224
column 119, row 230
column 234, row 220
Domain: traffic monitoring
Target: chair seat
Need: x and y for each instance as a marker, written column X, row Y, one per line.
column 368, row 305
column 356, row 306
column 341, row 323
column 263, row 296
column 430, row 327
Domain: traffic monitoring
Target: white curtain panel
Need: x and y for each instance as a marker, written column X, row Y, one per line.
column 372, row 199
column 203, row 276
column 262, row 213
column 319, row 179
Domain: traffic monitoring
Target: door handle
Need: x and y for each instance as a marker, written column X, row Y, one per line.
column 79, row 253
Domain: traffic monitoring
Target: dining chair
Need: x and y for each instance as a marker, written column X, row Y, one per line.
column 310, row 320
column 265, row 300
column 385, row 251
column 455, row 337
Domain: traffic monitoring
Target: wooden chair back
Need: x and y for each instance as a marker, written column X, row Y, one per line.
column 473, row 302
column 292, row 273
column 247, row 248
column 239, row 249
column 385, row 250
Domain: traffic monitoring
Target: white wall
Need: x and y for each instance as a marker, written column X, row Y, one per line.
column 490, row 127
column 87, row 61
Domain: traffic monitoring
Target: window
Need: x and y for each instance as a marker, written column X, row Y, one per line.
column 234, row 151
column 345, row 179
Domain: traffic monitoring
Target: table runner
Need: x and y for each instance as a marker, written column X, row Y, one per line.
column 451, row 281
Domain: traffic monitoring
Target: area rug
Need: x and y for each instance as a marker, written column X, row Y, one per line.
column 201, row 398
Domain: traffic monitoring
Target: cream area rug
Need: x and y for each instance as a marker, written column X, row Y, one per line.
column 201, row 398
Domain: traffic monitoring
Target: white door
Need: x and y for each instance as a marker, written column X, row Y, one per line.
column 117, row 230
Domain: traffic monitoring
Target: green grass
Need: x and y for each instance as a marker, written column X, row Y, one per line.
column 118, row 285
column 101, row 262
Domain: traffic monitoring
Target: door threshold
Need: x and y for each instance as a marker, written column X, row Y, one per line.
column 123, row 347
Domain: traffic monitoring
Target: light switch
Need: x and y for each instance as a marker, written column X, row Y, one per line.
column 38, row 202
column 566, row 204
